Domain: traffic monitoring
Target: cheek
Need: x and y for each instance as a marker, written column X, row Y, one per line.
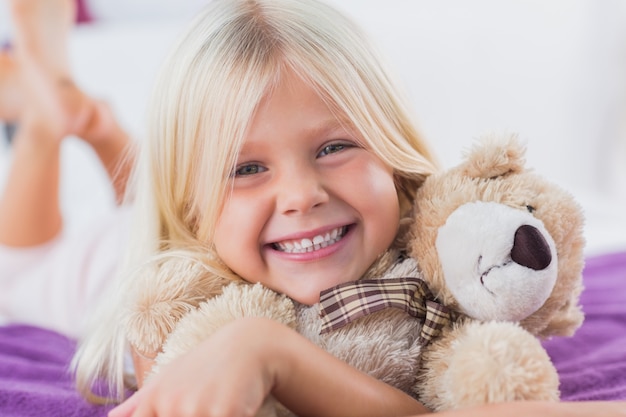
column 233, row 228
column 382, row 195
column 239, row 228
column 378, row 203
column 369, row 187
column 384, row 186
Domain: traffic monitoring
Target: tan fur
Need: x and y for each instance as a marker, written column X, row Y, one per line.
column 236, row 301
column 480, row 363
column 457, row 371
column 166, row 290
column 472, row 363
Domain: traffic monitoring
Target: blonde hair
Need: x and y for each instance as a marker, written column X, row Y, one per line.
column 234, row 53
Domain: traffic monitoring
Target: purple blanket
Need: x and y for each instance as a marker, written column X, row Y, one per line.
column 34, row 378
column 592, row 363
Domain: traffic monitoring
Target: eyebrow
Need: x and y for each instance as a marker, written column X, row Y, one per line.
column 321, row 129
column 328, row 126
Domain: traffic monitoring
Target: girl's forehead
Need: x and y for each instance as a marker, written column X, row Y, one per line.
column 293, row 94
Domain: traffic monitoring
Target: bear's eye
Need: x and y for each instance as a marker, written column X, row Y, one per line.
column 530, row 208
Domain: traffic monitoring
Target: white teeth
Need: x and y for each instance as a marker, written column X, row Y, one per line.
column 310, row 245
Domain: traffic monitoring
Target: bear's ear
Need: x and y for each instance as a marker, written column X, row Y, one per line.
column 494, row 156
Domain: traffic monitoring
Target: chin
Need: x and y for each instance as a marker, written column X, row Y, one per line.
column 307, row 299
column 309, row 294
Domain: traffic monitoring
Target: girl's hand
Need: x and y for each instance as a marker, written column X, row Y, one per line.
column 230, row 374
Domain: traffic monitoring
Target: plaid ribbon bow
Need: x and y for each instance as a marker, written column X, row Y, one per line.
column 347, row 302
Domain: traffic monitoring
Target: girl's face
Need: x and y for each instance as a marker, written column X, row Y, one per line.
column 310, row 206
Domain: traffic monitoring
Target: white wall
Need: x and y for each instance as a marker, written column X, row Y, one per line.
column 552, row 71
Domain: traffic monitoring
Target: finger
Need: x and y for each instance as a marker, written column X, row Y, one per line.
column 127, row 408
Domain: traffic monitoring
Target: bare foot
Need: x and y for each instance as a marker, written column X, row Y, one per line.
column 54, row 104
column 10, row 96
column 59, row 108
column 101, row 127
column 41, row 31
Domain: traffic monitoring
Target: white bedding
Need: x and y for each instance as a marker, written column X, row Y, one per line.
column 553, row 72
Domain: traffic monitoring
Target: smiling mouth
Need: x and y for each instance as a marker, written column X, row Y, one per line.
column 310, row 245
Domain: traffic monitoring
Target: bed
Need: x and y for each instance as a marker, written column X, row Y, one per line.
column 467, row 70
column 34, row 377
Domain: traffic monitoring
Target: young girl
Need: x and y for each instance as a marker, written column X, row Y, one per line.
column 41, row 265
column 281, row 153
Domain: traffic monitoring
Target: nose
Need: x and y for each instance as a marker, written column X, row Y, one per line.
column 300, row 190
column 530, row 248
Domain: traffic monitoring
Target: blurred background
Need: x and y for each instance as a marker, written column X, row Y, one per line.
column 554, row 72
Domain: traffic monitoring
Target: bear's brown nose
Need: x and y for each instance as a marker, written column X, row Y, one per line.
column 530, row 248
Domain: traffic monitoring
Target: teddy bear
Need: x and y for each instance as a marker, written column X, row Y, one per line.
column 491, row 262
column 505, row 247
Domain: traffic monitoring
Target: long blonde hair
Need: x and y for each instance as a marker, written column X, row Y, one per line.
column 233, row 54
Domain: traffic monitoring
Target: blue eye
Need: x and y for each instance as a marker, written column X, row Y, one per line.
column 332, row 148
column 249, row 169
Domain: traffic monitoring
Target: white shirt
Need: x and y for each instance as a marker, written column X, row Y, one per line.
column 57, row 285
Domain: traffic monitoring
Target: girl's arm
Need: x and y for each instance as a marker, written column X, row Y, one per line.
column 232, row 372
